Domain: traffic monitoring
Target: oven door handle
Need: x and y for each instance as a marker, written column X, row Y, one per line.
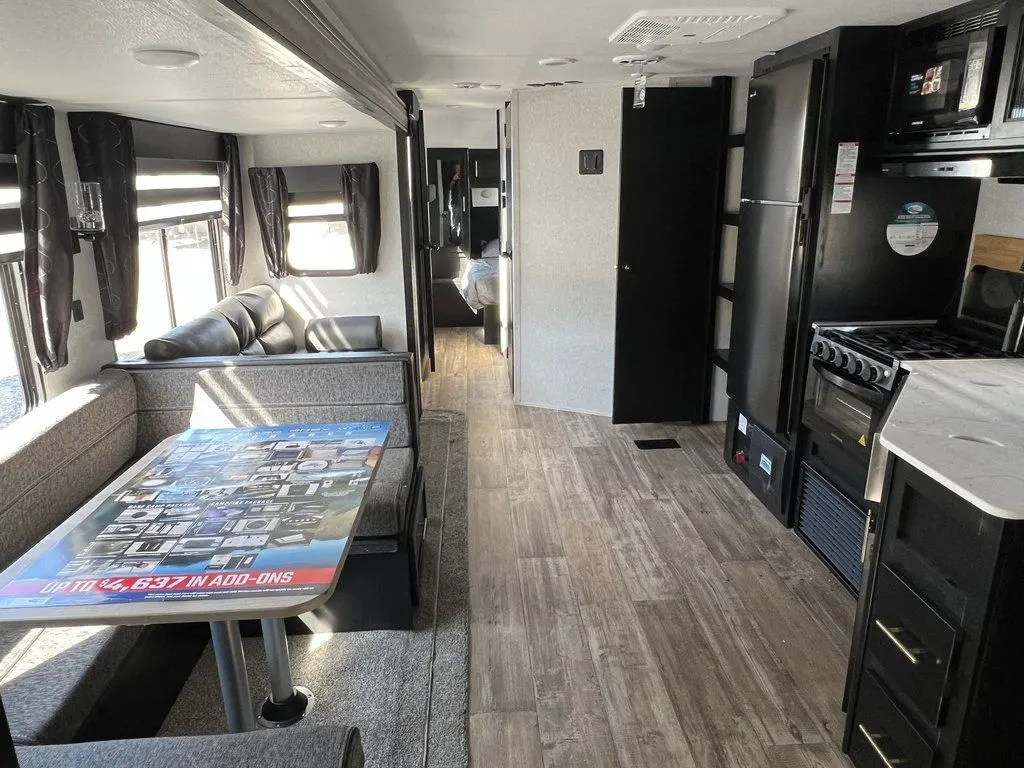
column 869, row 395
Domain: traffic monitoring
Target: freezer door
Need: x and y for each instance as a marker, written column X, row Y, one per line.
column 768, row 263
column 782, row 132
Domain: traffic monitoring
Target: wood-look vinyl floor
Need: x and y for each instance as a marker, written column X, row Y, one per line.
column 633, row 608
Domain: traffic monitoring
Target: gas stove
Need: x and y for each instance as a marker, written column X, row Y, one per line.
column 873, row 352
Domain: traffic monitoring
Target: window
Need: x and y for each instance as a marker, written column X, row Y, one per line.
column 318, row 239
column 19, row 383
column 179, row 250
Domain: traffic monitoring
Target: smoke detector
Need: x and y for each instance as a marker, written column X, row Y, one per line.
column 652, row 30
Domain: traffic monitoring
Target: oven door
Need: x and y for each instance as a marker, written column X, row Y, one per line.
column 849, row 412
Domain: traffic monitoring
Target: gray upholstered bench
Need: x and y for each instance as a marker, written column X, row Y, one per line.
column 323, row 746
column 51, row 461
column 379, row 586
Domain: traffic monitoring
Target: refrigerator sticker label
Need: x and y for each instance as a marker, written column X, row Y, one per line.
column 846, row 177
column 742, row 424
column 766, row 465
column 912, row 229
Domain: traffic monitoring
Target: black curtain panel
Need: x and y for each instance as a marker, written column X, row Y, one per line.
column 105, row 151
column 49, row 262
column 270, row 194
column 232, row 218
column 360, row 191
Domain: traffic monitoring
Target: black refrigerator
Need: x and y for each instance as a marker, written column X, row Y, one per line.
column 813, row 237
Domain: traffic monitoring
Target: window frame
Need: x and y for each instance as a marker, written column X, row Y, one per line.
column 212, row 224
column 316, row 198
column 12, row 290
column 13, row 295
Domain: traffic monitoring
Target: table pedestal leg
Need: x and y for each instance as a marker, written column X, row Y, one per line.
column 234, row 682
column 288, row 703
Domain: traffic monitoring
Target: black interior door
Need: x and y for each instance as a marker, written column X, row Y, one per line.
column 669, row 238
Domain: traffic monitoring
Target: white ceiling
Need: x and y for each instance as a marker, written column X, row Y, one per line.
column 76, row 54
column 431, row 44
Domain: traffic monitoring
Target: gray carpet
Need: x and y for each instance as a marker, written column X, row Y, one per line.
column 379, row 681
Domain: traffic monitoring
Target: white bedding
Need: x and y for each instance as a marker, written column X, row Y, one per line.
column 478, row 283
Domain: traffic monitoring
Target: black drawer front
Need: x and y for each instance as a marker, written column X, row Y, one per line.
column 913, row 643
column 883, row 737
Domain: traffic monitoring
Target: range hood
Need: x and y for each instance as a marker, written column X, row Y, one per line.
column 1008, row 166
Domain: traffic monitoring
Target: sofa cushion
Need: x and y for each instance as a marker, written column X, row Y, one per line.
column 51, row 678
column 385, row 506
column 278, row 340
column 255, row 349
column 60, row 454
column 264, row 306
column 208, row 335
column 344, row 334
column 240, row 319
column 325, row 746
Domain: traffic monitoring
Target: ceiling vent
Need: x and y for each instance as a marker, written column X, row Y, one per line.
column 650, row 30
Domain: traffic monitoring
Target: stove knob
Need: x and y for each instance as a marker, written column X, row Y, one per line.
column 830, row 353
column 872, row 373
column 856, row 366
column 844, row 360
column 818, row 348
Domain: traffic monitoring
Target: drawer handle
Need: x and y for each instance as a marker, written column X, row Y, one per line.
column 890, row 762
column 912, row 654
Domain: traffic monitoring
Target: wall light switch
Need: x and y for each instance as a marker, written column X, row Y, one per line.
column 591, row 162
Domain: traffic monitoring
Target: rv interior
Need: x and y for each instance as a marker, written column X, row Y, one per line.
column 420, row 384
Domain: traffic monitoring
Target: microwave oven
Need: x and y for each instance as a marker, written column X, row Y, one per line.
column 947, row 84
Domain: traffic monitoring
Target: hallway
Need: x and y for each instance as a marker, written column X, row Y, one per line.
column 633, row 608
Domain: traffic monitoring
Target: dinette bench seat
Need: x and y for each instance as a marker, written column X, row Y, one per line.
column 327, row 746
column 59, row 683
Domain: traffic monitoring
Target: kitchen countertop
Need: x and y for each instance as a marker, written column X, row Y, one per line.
column 961, row 422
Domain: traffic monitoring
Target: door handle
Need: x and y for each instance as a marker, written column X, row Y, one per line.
column 889, row 762
column 911, row 652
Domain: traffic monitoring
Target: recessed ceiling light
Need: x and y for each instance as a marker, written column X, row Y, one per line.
column 454, row 106
column 333, row 123
column 491, row 86
column 165, row 59
column 556, row 61
column 466, row 85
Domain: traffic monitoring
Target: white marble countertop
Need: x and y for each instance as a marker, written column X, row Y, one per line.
column 961, row 422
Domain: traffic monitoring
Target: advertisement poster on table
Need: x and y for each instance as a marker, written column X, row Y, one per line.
column 219, row 513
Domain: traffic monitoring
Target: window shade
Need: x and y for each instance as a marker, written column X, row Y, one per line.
column 12, row 242
column 170, row 190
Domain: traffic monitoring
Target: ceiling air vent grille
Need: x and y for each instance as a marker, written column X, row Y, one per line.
column 651, row 29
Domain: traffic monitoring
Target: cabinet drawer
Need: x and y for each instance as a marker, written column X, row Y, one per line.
column 883, row 737
column 913, row 643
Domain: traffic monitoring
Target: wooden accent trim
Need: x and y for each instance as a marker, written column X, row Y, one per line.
column 1005, row 253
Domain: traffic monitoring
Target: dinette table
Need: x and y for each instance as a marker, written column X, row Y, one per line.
column 213, row 525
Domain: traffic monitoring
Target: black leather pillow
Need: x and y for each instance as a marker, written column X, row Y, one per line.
column 278, row 340
column 344, row 334
column 240, row 320
column 264, row 306
column 209, row 335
